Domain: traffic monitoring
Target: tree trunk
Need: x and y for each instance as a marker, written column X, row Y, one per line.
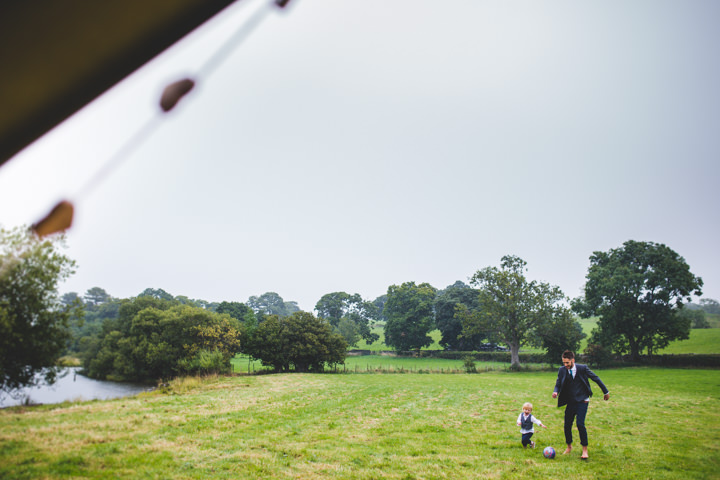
column 634, row 350
column 514, row 354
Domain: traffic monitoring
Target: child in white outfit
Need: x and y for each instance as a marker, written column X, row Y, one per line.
column 525, row 421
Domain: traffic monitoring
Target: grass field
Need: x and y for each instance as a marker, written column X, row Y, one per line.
column 702, row 341
column 659, row 424
column 388, row 364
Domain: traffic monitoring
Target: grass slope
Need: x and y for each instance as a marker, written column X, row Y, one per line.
column 659, row 424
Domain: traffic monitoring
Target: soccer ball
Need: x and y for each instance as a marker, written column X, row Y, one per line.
column 549, row 452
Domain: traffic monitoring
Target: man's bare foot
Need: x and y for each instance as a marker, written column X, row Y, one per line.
column 584, row 455
column 568, row 450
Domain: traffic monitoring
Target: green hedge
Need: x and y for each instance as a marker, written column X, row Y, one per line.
column 457, row 355
column 680, row 360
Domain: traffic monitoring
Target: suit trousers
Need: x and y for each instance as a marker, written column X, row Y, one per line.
column 576, row 411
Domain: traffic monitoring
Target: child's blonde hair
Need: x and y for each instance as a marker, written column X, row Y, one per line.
column 527, row 405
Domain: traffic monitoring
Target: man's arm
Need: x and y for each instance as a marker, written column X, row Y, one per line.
column 591, row 375
column 558, row 383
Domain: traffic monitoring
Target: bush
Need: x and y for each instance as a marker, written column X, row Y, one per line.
column 206, row 362
column 684, row 360
column 596, row 355
column 469, row 364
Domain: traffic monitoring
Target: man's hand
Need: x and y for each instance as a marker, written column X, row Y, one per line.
column 606, row 396
column 555, row 395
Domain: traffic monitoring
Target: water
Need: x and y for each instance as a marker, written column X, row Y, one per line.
column 73, row 387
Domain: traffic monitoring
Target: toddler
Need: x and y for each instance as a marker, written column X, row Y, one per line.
column 525, row 421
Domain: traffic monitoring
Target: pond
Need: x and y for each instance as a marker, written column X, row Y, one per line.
column 72, row 387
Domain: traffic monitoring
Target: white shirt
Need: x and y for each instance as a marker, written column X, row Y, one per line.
column 533, row 420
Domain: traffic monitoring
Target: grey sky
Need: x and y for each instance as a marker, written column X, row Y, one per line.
column 350, row 145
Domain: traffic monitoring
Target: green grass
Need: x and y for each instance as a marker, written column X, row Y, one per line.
column 659, row 424
column 379, row 344
column 391, row 364
column 702, row 341
column 385, row 364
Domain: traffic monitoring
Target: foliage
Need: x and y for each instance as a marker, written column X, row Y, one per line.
column 469, row 364
column 561, row 332
column 300, row 341
column 349, row 331
column 95, row 296
column 237, row 310
column 637, row 290
column 34, row 323
column 158, row 293
column 597, row 356
column 707, row 305
column 86, row 327
column 156, row 338
column 513, row 309
column 336, row 306
column 696, row 317
column 206, row 362
column 409, row 312
column 270, row 303
column 379, row 303
column 449, row 324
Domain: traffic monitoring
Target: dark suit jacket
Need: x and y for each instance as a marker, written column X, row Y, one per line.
column 583, row 374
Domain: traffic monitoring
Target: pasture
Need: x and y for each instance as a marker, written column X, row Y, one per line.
column 659, row 423
column 701, row 341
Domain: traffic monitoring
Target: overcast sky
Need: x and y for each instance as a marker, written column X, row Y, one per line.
column 356, row 144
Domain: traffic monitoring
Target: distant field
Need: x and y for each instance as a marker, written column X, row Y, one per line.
column 388, row 364
column 702, row 341
column 659, row 424
column 379, row 345
column 705, row 340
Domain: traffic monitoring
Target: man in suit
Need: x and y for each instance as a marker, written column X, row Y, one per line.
column 573, row 390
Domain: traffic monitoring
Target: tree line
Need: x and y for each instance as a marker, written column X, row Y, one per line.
column 637, row 291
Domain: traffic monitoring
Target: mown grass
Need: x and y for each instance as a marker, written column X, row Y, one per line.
column 659, row 424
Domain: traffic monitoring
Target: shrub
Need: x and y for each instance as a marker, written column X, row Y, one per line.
column 469, row 364
column 596, row 355
column 206, row 362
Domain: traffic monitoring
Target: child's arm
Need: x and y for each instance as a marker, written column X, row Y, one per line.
column 538, row 422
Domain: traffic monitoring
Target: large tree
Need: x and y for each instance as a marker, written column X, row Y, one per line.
column 450, row 326
column 637, row 291
column 34, row 329
column 410, row 316
column 299, row 341
column 358, row 313
column 237, row 310
column 270, row 303
column 710, row 305
column 96, row 296
column 512, row 308
column 155, row 338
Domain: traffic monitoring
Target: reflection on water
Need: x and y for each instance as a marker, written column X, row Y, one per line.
column 74, row 387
